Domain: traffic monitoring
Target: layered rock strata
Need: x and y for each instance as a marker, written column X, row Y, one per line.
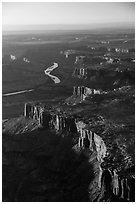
column 80, row 73
column 110, row 182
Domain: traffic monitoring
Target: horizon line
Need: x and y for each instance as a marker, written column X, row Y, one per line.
column 42, row 27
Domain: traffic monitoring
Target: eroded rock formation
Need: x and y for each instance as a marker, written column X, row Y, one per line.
column 47, row 119
column 80, row 93
column 79, row 60
column 84, row 91
column 110, row 181
column 118, row 185
column 80, row 73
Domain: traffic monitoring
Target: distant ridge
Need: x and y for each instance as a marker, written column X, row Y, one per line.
column 54, row 27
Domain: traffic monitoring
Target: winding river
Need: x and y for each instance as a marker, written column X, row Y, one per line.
column 47, row 72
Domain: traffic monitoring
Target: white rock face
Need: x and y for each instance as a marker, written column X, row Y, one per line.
column 80, row 125
column 125, row 41
column 33, row 38
column 100, row 147
column 121, row 50
column 96, row 142
column 67, row 55
column 108, row 59
column 88, row 91
column 26, row 60
column 97, row 91
column 82, row 92
column 105, row 42
column 12, row 57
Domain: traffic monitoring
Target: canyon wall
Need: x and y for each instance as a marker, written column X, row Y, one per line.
column 80, row 93
column 109, row 181
column 80, row 73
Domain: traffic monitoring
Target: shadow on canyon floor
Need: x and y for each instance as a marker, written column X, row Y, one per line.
column 42, row 166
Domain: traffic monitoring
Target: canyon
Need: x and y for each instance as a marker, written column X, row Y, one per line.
column 70, row 136
column 108, row 180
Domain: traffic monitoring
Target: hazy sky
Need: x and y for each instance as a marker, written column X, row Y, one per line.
column 67, row 13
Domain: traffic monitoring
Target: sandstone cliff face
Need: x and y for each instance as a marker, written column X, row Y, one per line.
column 90, row 140
column 80, row 73
column 63, row 122
column 80, row 93
column 109, row 182
column 67, row 53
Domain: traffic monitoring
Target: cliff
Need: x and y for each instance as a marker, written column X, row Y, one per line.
column 105, row 75
column 108, row 182
column 80, row 93
column 73, row 153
